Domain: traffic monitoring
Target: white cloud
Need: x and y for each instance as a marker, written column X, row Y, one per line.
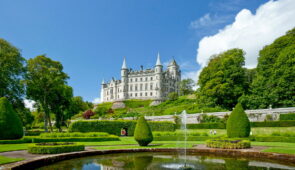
column 209, row 21
column 250, row 32
column 96, row 100
column 29, row 104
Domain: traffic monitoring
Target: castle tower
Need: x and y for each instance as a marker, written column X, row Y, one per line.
column 102, row 90
column 124, row 78
column 173, row 69
column 158, row 82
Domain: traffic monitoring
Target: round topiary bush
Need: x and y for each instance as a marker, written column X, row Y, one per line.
column 143, row 134
column 238, row 124
column 10, row 124
column 54, row 147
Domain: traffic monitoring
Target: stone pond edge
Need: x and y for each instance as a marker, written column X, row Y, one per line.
column 50, row 159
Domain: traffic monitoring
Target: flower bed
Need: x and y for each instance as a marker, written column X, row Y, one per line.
column 228, row 143
column 55, row 147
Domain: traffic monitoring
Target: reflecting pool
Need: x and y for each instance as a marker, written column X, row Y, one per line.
column 162, row 160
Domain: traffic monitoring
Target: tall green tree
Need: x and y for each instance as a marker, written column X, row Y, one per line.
column 186, row 86
column 43, row 79
column 12, row 71
column 223, row 81
column 60, row 104
column 77, row 105
column 274, row 83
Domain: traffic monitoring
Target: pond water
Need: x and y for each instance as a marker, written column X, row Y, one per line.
column 162, row 160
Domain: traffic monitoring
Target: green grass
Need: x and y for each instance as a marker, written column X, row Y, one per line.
column 285, row 150
column 13, row 147
column 5, row 160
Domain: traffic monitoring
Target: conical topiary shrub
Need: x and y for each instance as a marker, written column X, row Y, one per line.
column 142, row 133
column 10, row 124
column 238, row 124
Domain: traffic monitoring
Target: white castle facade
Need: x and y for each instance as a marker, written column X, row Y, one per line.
column 154, row 84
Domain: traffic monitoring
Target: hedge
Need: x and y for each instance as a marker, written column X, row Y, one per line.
column 54, row 148
column 289, row 116
column 37, row 139
column 228, row 143
column 181, row 138
column 17, row 141
column 206, row 126
column 115, row 126
column 74, row 134
column 281, row 123
column 143, row 133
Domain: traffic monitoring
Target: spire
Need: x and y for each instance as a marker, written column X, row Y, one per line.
column 158, row 60
column 124, row 66
column 102, row 81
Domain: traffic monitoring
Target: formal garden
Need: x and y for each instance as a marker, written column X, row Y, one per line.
column 66, row 126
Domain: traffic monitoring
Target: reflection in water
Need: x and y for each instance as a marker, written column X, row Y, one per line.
column 165, row 161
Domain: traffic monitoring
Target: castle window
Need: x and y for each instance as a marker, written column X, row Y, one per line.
column 135, row 94
column 130, row 87
column 151, row 78
column 140, row 86
column 135, row 79
column 146, row 79
column 130, row 94
column 135, row 87
column 145, row 94
column 151, row 86
column 140, row 94
column 151, row 94
column 140, row 79
column 146, row 86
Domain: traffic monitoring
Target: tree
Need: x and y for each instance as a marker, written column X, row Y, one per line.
column 238, row 124
column 11, row 73
column 77, row 105
column 173, row 96
column 62, row 96
column 186, row 86
column 43, row 79
column 274, row 82
column 223, row 81
column 142, row 133
column 10, row 123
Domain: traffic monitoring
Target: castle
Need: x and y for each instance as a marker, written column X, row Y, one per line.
column 154, row 84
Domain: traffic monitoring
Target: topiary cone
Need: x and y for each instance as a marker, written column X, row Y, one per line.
column 238, row 124
column 142, row 133
column 10, row 124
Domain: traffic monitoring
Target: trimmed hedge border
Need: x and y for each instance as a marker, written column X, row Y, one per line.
column 228, row 143
column 181, row 138
column 114, row 126
column 74, row 134
column 54, row 148
column 273, row 139
column 289, row 116
column 281, row 123
column 33, row 139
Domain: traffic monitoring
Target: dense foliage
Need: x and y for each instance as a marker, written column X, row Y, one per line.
column 38, row 139
column 218, row 125
column 228, row 143
column 87, row 114
column 114, row 127
column 289, row 116
column 238, row 124
column 274, row 82
column 223, row 81
column 143, row 133
column 54, row 148
column 186, row 86
column 10, row 123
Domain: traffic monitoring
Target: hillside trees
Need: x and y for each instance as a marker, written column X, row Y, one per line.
column 274, row 82
column 223, row 81
column 44, row 78
column 186, row 86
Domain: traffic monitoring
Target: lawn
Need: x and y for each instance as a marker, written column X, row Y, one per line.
column 13, row 147
column 5, row 160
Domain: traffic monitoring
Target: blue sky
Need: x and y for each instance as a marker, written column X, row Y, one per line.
column 91, row 37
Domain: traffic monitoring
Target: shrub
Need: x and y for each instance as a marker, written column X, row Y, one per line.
column 54, row 148
column 10, row 123
column 209, row 119
column 143, row 134
column 228, row 143
column 173, row 96
column 238, row 124
column 88, row 114
column 181, row 138
column 289, row 116
column 114, row 127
